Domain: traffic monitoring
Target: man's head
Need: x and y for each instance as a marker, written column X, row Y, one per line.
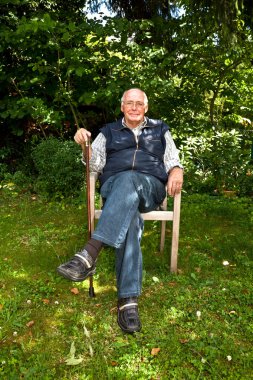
column 134, row 105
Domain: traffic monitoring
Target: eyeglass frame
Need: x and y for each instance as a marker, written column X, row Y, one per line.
column 131, row 103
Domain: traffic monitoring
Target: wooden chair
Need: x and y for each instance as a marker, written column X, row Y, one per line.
column 163, row 215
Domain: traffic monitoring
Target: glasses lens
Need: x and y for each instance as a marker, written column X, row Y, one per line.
column 131, row 104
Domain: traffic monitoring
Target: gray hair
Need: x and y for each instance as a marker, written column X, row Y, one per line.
column 145, row 96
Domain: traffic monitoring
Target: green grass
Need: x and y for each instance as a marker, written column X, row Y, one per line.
column 197, row 320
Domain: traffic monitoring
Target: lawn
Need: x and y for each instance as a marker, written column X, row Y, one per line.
column 197, row 324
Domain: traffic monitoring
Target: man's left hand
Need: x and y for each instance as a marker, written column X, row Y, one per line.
column 175, row 181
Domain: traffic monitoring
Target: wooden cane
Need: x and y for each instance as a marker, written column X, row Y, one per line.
column 86, row 151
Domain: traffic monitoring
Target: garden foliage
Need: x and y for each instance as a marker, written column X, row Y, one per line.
column 58, row 165
column 61, row 69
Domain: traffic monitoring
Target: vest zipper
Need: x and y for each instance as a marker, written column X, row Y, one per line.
column 137, row 146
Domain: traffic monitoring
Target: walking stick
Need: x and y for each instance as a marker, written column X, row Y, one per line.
column 87, row 160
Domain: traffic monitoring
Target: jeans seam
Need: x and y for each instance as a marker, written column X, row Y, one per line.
column 131, row 294
column 124, row 229
column 105, row 240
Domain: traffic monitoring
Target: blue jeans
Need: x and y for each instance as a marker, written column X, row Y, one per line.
column 120, row 225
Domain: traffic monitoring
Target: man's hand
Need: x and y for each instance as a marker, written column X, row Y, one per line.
column 175, row 181
column 81, row 136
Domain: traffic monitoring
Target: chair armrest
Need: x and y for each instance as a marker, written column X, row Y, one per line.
column 94, row 175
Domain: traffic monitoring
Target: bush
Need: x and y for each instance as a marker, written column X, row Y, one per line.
column 60, row 172
column 245, row 181
column 3, row 171
column 215, row 161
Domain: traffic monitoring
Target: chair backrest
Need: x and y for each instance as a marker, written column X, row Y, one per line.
column 163, row 215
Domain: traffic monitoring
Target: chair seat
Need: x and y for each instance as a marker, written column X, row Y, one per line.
column 152, row 215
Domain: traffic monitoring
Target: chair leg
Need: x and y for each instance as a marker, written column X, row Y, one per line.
column 175, row 233
column 162, row 239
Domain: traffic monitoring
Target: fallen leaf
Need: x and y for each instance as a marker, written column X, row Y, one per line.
column 155, row 351
column 114, row 364
column 30, row 323
column 74, row 291
column 73, row 361
column 46, row 301
column 183, row 341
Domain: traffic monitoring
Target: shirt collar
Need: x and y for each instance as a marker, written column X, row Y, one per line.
column 141, row 125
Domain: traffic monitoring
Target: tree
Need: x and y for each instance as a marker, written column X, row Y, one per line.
column 224, row 12
column 57, row 73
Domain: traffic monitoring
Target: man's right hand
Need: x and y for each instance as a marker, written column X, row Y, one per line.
column 81, row 136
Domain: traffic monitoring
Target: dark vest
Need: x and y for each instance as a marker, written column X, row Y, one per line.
column 123, row 153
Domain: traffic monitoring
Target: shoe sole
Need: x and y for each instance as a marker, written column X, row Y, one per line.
column 74, row 278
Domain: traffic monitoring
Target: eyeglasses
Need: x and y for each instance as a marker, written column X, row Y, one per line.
column 131, row 104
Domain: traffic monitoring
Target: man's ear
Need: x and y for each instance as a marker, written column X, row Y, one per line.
column 146, row 108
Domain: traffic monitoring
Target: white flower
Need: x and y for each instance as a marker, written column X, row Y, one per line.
column 203, row 360
column 29, row 302
column 224, row 289
column 3, row 362
column 225, row 263
column 15, row 333
column 229, row 358
column 198, row 314
column 56, row 302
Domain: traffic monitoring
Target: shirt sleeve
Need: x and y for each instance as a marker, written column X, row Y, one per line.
column 98, row 157
column 171, row 155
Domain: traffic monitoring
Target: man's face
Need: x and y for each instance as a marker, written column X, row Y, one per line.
column 133, row 107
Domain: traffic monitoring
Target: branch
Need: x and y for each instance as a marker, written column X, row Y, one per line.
column 74, row 114
column 216, row 92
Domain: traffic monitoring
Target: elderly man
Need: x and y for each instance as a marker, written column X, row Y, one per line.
column 137, row 158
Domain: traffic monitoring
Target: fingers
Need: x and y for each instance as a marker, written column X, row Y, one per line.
column 81, row 136
column 175, row 182
column 174, row 189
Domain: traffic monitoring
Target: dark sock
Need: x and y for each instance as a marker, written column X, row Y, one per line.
column 93, row 247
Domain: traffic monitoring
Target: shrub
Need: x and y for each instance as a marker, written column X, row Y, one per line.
column 245, row 181
column 3, row 171
column 215, row 161
column 60, row 172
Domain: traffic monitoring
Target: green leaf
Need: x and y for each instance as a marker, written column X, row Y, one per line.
column 71, row 360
